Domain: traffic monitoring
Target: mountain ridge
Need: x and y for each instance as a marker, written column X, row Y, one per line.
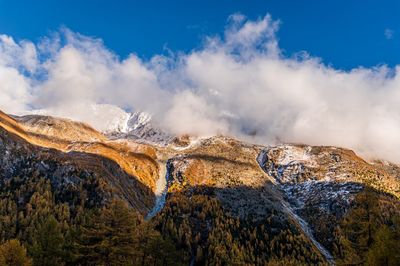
column 249, row 181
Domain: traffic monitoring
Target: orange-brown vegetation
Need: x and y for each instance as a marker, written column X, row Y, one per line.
column 139, row 163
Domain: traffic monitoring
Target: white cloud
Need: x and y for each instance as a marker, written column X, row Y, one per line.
column 21, row 56
column 238, row 84
column 389, row 34
column 14, row 90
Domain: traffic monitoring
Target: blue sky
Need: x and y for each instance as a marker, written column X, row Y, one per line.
column 345, row 34
column 245, row 78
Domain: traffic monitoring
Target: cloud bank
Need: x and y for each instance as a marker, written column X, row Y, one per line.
column 239, row 84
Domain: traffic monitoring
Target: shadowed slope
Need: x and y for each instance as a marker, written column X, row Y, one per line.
column 72, row 169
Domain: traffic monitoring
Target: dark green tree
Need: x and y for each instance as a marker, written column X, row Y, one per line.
column 48, row 243
column 108, row 236
column 153, row 249
column 385, row 249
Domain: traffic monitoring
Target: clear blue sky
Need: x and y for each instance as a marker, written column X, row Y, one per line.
column 344, row 33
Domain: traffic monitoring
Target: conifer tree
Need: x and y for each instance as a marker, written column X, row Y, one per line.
column 47, row 248
column 108, row 236
column 12, row 253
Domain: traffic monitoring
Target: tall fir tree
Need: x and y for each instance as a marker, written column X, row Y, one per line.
column 47, row 248
column 108, row 236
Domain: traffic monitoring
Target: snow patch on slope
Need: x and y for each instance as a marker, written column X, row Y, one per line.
column 192, row 143
column 139, row 126
column 292, row 154
column 327, row 196
column 137, row 120
column 161, row 190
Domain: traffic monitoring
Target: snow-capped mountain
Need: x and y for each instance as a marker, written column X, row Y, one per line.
column 110, row 120
column 139, row 126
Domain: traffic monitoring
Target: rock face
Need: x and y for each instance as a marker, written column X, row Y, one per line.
column 320, row 183
column 324, row 178
column 298, row 163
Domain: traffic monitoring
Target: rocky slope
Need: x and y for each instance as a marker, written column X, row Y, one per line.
column 307, row 184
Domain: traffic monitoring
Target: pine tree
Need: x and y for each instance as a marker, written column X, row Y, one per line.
column 107, row 238
column 47, row 248
column 12, row 253
column 385, row 251
column 362, row 222
column 153, row 249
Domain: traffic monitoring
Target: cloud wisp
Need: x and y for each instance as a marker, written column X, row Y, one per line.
column 389, row 34
column 239, row 84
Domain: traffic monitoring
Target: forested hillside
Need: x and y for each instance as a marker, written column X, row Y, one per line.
column 226, row 203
